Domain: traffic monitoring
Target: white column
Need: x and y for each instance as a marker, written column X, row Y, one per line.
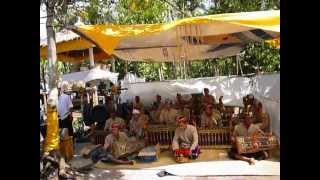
column 91, row 57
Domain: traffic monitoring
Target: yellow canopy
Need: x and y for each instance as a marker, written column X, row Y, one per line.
column 190, row 38
column 139, row 41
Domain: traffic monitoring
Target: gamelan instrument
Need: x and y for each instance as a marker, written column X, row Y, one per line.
column 252, row 144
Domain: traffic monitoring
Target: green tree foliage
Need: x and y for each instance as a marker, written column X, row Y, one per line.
column 141, row 11
column 231, row 6
column 255, row 57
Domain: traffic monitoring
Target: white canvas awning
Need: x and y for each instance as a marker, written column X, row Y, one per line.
column 91, row 75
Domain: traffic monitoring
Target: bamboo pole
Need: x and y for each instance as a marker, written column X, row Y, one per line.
column 91, row 57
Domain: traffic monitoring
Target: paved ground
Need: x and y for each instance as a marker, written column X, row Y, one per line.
column 141, row 174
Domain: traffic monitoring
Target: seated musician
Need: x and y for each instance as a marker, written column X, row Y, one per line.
column 114, row 119
column 182, row 111
column 185, row 141
column 221, row 107
column 168, row 114
column 261, row 118
column 105, row 154
column 137, row 104
column 157, row 106
column 158, row 103
column 246, row 128
column 138, row 124
column 247, row 107
column 180, row 101
column 210, row 117
column 207, row 99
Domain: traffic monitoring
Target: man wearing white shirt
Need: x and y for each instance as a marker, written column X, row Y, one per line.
column 64, row 110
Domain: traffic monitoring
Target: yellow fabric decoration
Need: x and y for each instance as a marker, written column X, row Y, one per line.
column 52, row 139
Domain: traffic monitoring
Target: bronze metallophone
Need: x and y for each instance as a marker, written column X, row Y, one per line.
column 208, row 138
column 248, row 145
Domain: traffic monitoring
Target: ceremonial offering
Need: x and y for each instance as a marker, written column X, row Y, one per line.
column 181, row 159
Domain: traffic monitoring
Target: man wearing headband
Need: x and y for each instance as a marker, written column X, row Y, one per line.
column 185, row 141
column 246, row 128
column 210, row 117
column 137, row 124
column 207, row 99
column 168, row 114
column 112, row 120
column 105, row 154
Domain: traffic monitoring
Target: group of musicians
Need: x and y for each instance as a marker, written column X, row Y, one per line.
column 253, row 121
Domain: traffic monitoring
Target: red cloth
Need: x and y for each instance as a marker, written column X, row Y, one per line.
column 181, row 119
column 115, row 125
column 184, row 152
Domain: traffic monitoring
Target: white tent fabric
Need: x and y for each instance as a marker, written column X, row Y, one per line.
column 90, row 75
column 232, row 89
column 266, row 88
column 131, row 78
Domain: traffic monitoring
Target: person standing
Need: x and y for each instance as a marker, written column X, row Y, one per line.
column 65, row 110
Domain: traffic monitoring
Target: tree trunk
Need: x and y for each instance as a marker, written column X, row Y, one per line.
column 51, row 41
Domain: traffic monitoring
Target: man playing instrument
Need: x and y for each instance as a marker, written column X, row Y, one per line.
column 114, row 119
column 138, row 124
column 261, row 118
column 210, row 117
column 185, row 141
column 207, row 99
column 246, row 128
column 105, row 153
column 168, row 114
column 137, row 104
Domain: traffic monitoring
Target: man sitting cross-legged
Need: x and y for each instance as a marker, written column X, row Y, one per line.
column 168, row 114
column 114, row 119
column 185, row 141
column 246, row 128
column 210, row 117
column 105, row 153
